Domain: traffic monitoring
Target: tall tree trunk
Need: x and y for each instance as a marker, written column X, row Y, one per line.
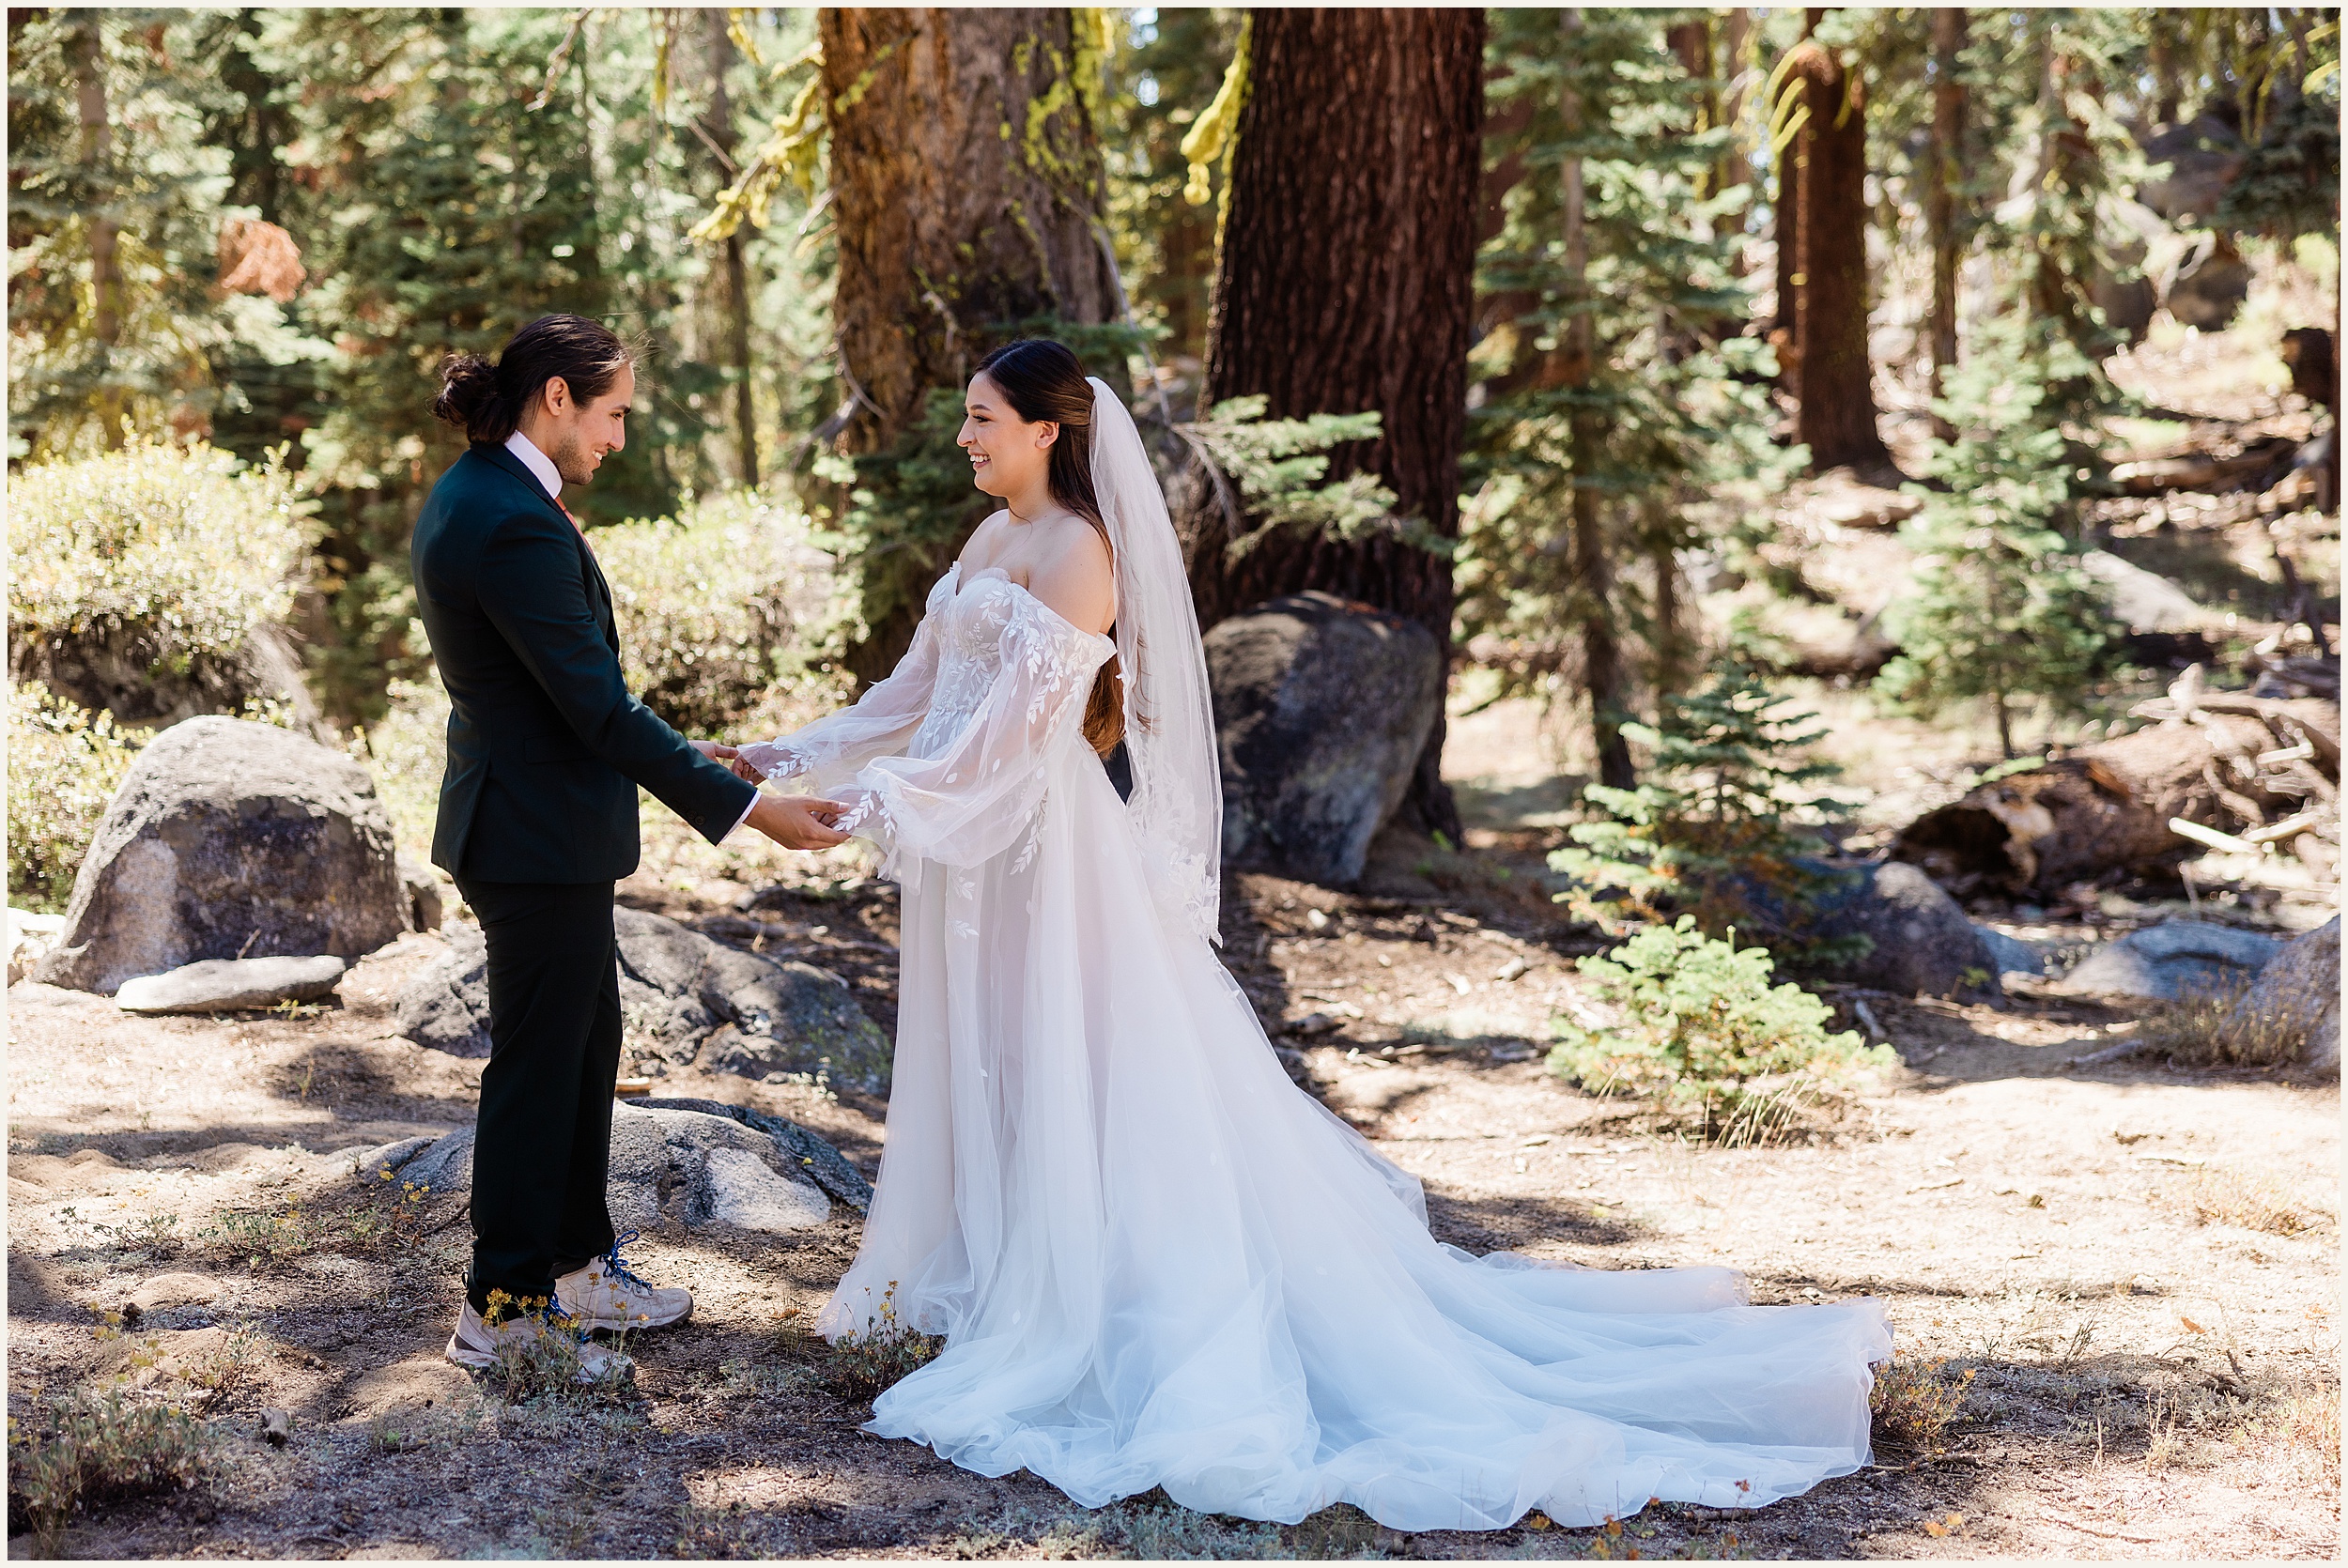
column 1593, row 563
column 96, row 146
column 1785, row 223
column 1944, row 164
column 1735, row 168
column 718, row 126
column 1345, row 283
column 1691, row 42
column 959, row 217
column 2168, row 62
column 1835, row 382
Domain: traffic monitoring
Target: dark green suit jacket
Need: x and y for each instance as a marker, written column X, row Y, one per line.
column 545, row 747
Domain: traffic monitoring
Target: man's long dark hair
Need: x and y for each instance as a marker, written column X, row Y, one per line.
column 1043, row 380
column 485, row 401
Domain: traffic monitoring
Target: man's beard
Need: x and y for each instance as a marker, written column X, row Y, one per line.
column 571, row 461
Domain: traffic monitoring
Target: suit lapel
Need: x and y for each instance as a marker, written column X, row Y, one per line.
column 595, row 574
column 514, row 469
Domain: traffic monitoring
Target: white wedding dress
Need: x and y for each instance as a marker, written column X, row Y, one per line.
column 1155, row 1260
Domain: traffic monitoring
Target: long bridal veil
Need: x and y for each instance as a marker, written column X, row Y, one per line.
column 1176, row 804
column 1155, row 1261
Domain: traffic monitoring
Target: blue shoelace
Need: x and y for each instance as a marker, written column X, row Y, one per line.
column 555, row 1315
column 615, row 1267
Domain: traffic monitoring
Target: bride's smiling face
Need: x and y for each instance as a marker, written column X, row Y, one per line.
column 1009, row 456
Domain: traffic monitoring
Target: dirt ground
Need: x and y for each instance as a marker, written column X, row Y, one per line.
column 2125, row 1277
column 2148, row 1378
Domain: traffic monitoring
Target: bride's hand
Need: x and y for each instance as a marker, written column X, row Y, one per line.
column 732, row 758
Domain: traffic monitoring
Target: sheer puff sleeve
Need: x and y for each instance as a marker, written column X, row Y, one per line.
column 972, row 801
column 832, row 750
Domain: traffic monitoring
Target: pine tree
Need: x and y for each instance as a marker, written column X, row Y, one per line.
column 1822, row 252
column 1614, row 412
column 114, row 208
column 2000, row 608
column 1724, row 829
column 449, row 187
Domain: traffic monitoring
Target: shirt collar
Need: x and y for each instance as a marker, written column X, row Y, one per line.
column 540, row 465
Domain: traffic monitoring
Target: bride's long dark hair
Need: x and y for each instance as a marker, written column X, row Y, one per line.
column 1043, row 381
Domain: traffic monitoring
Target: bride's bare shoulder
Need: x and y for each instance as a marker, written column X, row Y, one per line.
column 1075, row 576
column 978, row 550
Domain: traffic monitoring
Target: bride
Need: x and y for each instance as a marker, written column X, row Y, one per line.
column 1155, row 1262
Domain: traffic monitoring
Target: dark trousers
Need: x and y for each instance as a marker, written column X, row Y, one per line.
column 543, row 1151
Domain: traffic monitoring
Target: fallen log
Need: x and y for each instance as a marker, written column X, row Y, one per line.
column 2221, row 768
column 2073, row 818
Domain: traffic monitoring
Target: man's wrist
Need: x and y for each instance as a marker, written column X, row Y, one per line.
column 748, row 807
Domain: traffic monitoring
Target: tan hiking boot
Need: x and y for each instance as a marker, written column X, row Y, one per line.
column 477, row 1345
column 607, row 1295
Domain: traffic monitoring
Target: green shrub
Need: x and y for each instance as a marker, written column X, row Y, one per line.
column 718, row 607
column 1718, row 831
column 147, row 580
column 1703, row 1028
column 98, row 1448
column 64, row 766
column 2000, row 607
column 407, row 752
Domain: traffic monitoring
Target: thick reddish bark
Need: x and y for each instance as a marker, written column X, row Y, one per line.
column 1346, row 276
column 1833, row 380
column 1345, row 283
column 957, row 218
column 1943, row 174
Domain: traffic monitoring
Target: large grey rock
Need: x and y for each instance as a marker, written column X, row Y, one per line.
column 2145, row 601
column 2173, row 959
column 2296, row 994
column 2204, row 158
column 687, row 1167
column 1322, row 708
column 817, row 1161
column 230, row 840
column 446, row 1005
column 1924, row 944
column 227, row 985
column 685, row 999
column 2012, row 955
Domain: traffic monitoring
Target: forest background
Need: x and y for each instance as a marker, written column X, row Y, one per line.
column 1967, row 376
column 1518, row 323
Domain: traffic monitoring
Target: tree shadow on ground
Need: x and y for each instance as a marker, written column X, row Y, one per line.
column 1946, row 1045
column 1488, row 1224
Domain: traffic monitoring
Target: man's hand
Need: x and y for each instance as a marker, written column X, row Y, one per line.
column 732, row 758
column 797, row 821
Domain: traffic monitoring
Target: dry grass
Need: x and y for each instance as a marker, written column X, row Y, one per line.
column 548, row 1368
column 859, row 1367
column 2218, row 1195
column 1915, row 1402
column 2204, row 1030
column 2301, row 1438
column 2276, row 1432
column 91, row 1448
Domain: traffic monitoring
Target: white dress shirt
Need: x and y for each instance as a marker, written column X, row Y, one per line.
column 542, row 468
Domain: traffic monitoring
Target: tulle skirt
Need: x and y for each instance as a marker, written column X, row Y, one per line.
column 1158, row 1263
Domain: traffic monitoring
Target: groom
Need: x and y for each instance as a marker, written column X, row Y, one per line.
column 545, row 749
